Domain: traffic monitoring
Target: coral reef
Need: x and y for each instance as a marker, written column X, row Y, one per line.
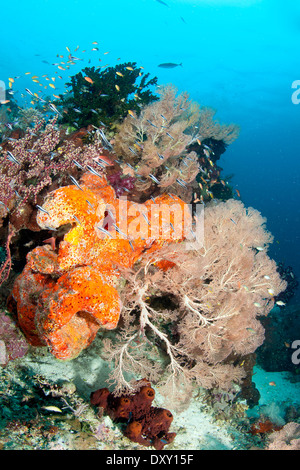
column 12, row 343
column 161, row 145
column 288, row 438
column 39, row 161
column 195, row 320
column 104, row 97
column 64, row 296
column 145, row 424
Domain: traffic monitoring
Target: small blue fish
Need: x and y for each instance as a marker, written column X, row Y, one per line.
column 151, row 123
column 169, row 135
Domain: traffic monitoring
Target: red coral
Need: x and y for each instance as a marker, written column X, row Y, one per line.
column 145, row 424
column 264, row 427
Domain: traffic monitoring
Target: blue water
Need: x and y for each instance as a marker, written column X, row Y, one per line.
column 239, row 57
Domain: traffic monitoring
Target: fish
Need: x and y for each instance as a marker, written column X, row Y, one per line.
column 273, row 384
column 259, row 248
column 28, row 91
column 280, row 303
column 42, row 209
column 129, row 68
column 271, row 291
column 153, row 178
column 95, row 49
column 146, row 218
column 105, row 231
column 12, row 158
column 181, row 182
column 89, row 80
column 169, row 135
column 257, row 304
column 163, row 3
column 238, row 193
column 132, row 151
column 77, row 220
column 120, row 74
column 169, row 65
column 54, row 108
column 4, row 101
column 151, row 123
column 51, row 85
column 117, row 87
column 94, row 172
column 52, row 408
column 251, row 330
column 131, row 113
column 74, row 181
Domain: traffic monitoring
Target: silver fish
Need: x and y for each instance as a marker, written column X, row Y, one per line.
column 12, row 158
column 42, row 209
column 78, row 164
column 94, row 172
column 153, row 178
column 74, row 181
column 105, row 231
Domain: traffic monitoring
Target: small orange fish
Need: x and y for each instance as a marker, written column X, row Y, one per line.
column 60, row 67
column 238, row 193
column 273, row 384
column 52, row 86
column 199, row 142
column 88, row 79
column 117, row 87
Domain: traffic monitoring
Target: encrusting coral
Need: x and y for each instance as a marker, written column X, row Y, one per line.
column 64, row 296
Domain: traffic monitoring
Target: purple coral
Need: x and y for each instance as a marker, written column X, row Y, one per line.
column 12, row 343
column 121, row 184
